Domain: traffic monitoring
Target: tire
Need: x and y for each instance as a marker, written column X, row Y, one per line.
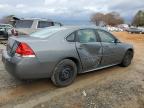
column 64, row 73
column 127, row 59
column 130, row 32
column 5, row 35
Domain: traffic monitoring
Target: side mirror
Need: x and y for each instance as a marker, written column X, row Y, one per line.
column 116, row 41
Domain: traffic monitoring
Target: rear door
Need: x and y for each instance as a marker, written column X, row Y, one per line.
column 112, row 50
column 89, row 49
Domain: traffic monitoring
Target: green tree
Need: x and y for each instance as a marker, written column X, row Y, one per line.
column 138, row 19
column 97, row 18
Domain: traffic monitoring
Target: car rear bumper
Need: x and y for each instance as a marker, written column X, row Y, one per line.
column 24, row 68
column 9, row 66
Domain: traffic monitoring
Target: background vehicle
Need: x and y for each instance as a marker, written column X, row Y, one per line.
column 114, row 29
column 27, row 26
column 4, row 30
column 142, row 29
column 60, row 53
column 134, row 30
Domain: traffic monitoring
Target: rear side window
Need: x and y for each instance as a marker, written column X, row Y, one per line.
column 71, row 37
column 86, row 35
column 57, row 24
column 23, row 23
column 43, row 24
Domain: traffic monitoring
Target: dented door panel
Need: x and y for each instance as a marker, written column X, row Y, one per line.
column 90, row 54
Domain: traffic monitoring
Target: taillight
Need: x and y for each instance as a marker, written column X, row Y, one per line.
column 14, row 32
column 24, row 50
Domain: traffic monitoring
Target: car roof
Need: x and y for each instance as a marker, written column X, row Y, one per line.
column 39, row 19
column 78, row 27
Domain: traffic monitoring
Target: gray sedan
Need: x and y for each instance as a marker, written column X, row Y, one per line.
column 60, row 53
column 134, row 30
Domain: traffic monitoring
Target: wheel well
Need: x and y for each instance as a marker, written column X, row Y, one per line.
column 131, row 50
column 76, row 61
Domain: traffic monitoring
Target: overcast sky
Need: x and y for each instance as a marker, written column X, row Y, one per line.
column 69, row 11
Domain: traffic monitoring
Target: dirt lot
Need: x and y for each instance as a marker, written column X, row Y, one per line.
column 114, row 87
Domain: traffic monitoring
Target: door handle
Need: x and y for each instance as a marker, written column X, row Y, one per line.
column 80, row 47
column 106, row 46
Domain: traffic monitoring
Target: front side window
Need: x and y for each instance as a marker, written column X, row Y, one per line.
column 105, row 36
column 23, row 23
column 86, row 35
column 43, row 24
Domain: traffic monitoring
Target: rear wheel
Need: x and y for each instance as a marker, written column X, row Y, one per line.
column 127, row 59
column 64, row 73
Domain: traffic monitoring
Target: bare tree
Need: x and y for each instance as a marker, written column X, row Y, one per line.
column 112, row 18
column 97, row 18
column 7, row 19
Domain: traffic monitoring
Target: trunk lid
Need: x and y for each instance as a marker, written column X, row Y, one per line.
column 25, row 31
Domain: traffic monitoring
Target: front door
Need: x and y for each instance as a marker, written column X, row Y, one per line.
column 89, row 49
column 112, row 50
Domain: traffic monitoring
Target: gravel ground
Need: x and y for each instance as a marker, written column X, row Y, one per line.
column 114, row 87
column 116, row 94
column 6, row 80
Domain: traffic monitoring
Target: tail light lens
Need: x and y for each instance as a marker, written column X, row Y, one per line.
column 24, row 50
column 14, row 32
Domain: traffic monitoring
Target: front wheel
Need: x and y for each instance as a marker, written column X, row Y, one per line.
column 64, row 73
column 127, row 59
column 130, row 32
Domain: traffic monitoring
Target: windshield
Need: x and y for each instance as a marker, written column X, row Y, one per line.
column 5, row 26
column 46, row 32
column 23, row 23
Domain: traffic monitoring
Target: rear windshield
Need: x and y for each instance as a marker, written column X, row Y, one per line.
column 46, row 32
column 23, row 23
column 43, row 24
